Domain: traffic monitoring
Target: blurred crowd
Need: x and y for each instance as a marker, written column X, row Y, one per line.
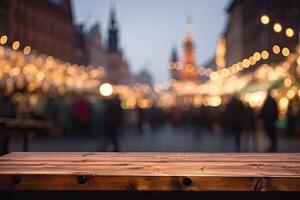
column 84, row 115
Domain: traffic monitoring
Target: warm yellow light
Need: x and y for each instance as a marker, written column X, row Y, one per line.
column 16, row 45
column 144, row 103
column 289, row 32
column 255, row 99
column 27, row 50
column 291, row 94
column 298, row 61
column 287, row 82
column 197, row 101
column 265, row 19
column 225, row 72
column 214, row 76
column 215, row 101
column 15, row 71
column 276, row 49
column 3, row 39
column 252, row 60
column 285, row 51
column 265, row 55
column 277, row 27
column 246, row 63
column 106, row 89
column 283, row 103
column 257, row 56
column 299, row 93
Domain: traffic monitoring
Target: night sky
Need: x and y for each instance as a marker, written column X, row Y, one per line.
column 150, row 28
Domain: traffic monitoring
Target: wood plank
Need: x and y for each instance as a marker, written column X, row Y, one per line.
column 154, row 156
column 151, row 171
column 254, row 169
column 149, row 183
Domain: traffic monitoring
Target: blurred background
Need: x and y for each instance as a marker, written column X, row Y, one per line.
column 172, row 76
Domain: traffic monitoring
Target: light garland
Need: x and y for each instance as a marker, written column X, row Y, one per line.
column 23, row 70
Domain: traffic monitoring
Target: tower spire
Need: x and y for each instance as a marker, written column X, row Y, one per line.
column 174, row 56
column 113, row 32
column 189, row 71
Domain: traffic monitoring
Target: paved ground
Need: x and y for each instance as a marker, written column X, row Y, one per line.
column 165, row 139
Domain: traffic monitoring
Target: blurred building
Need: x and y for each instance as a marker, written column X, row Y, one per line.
column 97, row 54
column 143, row 77
column 45, row 25
column 91, row 51
column 81, row 52
column 245, row 34
column 186, row 69
column 117, row 68
column 89, row 48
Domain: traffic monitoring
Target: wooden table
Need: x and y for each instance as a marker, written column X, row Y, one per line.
column 149, row 172
column 23, row 127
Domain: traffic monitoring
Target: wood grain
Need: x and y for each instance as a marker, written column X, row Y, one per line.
column 151, row 171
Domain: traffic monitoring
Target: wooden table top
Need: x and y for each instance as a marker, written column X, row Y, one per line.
column 151, row 171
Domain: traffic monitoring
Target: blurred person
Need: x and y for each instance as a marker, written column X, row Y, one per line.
column 7, row 107
column 97, row 115
column 269, row 116
column 113, row 121
column 81, row 111
column 292, row 115
column 155, row 115
column 250, row 125
column 140, row 119
column 235, row 114
column 176, row 116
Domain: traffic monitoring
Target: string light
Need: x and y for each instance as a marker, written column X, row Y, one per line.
column 257, row 56
column 246, row 63
column 291, row 94
column 265, row 54
column 289, row 32
column 287, row 82
column 277, row 27
column 27, row 50
column 285, row 51
column 30, row 73
column 252, row 60
column 276, row 49
column 3, row 39
column 265, row 19
column 15, row 45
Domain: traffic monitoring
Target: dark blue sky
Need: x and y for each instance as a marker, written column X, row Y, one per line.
column 149, row 28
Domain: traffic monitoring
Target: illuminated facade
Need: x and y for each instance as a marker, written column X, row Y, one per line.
column 186, row 70
column 221, row 53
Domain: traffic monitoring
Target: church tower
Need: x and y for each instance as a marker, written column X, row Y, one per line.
column 113, row 32
column 189, row 71
column 174, row 65
column 117, row 67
